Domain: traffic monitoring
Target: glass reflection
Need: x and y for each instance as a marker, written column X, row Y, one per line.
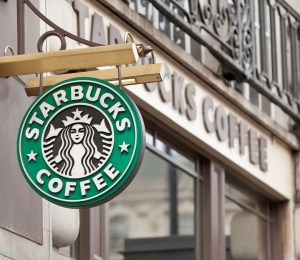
column 246, row 234
column 158, row 204
column 247, row 197
column 175, row 154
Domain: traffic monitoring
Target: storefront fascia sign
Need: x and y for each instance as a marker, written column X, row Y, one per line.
column 226, row 126
column 217, row 128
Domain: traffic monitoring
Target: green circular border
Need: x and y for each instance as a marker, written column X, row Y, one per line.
column 132, row 169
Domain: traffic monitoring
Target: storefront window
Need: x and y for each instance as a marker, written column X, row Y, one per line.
column 248, row 225
column 158, row 205
column 180, row 207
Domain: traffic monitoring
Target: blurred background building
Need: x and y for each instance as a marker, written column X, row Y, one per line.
column 220, row 179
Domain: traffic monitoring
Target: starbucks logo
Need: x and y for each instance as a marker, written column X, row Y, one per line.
column 81, row 142
column 74, row 146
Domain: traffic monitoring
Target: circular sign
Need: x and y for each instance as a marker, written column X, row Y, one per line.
column 81, row 142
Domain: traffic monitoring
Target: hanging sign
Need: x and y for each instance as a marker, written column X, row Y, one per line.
column 81, row 142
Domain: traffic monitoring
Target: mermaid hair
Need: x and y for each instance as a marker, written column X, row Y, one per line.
column 65, row 150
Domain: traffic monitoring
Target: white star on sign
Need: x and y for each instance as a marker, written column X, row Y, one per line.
column 124, row 147
column 31, row 156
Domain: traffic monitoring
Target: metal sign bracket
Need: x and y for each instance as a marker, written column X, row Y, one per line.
column 87, row 62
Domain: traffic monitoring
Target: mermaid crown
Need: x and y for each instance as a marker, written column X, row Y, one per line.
column 77, row 119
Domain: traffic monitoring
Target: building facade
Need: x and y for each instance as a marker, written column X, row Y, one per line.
column 220, row 175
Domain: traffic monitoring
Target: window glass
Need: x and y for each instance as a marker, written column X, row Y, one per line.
column 248, row 222
column 186, row 223
column 248, row 198
column 118, row 231
column 185, row 202
column 246, row 234
column 154, row 211
column 178, row 156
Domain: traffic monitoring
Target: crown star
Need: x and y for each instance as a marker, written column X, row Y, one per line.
column 77, row 113
column 77, row 119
